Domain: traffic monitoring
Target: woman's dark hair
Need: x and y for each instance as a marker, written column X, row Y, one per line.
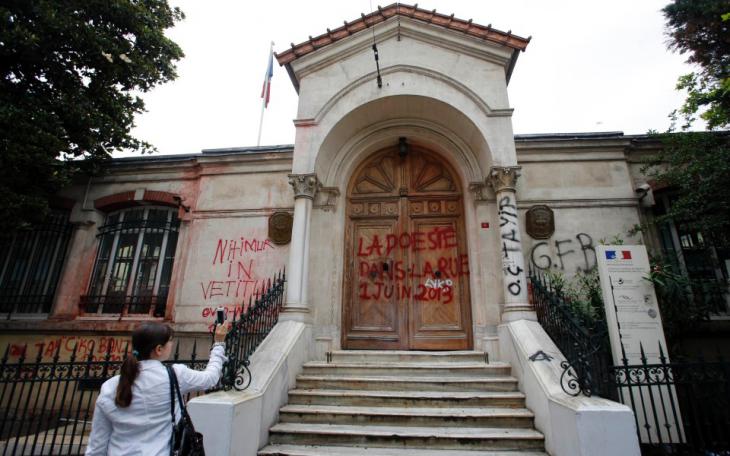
column 145, row 338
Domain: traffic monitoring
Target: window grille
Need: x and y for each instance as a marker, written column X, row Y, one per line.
column 134, row 263
column 30, row 265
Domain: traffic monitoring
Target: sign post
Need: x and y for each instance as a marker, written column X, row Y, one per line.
column 636, row 331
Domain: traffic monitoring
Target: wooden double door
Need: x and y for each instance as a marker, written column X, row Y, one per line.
column 406, row 281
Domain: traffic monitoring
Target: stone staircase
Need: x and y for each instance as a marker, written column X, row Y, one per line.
column 405, row 403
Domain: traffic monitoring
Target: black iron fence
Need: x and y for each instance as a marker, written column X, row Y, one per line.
column 584, row 343
column 680, row 407
column 46, row 405
column 249, row 329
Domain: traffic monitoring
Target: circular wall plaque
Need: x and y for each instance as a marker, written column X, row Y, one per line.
column 280, row 227
column 540, row 222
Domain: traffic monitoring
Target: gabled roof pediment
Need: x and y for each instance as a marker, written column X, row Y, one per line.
column 412, row 12
column 489, row 35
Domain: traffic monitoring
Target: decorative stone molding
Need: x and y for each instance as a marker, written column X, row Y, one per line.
column 304, row 185
column 327, row 198
column 503, row 177
column 478, row 189
column 137, row 197
column 305, row 122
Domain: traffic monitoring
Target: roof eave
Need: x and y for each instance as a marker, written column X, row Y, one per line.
column 292, row 76
column 512, row 63
column 486, row 33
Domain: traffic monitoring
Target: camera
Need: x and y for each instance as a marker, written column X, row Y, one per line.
column 220, row 316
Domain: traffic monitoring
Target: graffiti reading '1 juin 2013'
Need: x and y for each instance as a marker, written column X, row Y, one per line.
column 438, row 270
column 236, row 281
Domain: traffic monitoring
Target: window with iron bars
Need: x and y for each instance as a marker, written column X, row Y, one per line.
column 30, row 265
column 704, row 259
column 134, row 263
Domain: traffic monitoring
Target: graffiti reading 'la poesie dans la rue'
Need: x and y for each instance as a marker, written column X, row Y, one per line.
column 436, row 239
column 384, row 278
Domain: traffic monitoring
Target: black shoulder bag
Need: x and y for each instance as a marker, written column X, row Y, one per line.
column 184, row 440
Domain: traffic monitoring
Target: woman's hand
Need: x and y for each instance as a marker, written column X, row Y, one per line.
column 221, row 331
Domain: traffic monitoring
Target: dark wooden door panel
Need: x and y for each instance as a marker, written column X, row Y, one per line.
column 406, row 266
column 438, row 309
column 375, row 319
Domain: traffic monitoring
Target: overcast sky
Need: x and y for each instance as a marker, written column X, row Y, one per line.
column 591, row 66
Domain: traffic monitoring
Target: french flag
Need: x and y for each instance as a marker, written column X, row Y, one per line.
column 622, row 255
column 266, row 89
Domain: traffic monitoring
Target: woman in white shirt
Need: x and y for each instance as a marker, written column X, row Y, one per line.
column 132, row 414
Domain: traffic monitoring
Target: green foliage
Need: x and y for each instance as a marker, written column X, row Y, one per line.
column 71, row 72
column 683, row 303
column 582, row 293
column 617, row 239
column 697, row 165
column 700, row 28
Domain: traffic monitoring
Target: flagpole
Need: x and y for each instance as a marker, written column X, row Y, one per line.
column 265, row 96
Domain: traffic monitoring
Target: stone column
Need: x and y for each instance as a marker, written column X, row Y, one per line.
column 503, row 180
column 297, row 274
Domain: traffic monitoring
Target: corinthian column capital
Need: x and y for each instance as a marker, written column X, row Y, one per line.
column 304, row 185
column 503, row 177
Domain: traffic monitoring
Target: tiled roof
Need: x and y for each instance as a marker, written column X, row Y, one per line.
column 400, row 9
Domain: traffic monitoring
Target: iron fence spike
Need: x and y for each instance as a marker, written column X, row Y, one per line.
column 21, row 357
column 623, row 355
column 662, row 358
column 90, row 356
column 39, row 356
column 643, row 355
column 7, row 352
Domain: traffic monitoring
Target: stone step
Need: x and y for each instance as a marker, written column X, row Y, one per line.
column 309, row 450
column 415, row 398
column 408, row 416
column 407, row 437
column 407, row 383
column 393, row 356
column 407, row 368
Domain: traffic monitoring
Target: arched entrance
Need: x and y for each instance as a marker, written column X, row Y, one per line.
column 406, row 281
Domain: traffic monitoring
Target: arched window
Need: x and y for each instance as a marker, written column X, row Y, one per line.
column 134, row 262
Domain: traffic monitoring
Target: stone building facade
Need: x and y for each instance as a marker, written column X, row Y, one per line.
column 407, row 193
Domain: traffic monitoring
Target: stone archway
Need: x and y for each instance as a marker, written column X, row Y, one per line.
column 406, row 279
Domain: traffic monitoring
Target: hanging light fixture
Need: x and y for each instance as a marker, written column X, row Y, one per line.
column 402, row 147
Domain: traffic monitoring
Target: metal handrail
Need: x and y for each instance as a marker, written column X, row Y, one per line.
column 250, row 329
column 585, row 345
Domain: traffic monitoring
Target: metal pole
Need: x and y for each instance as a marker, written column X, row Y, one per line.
column 265, row 93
